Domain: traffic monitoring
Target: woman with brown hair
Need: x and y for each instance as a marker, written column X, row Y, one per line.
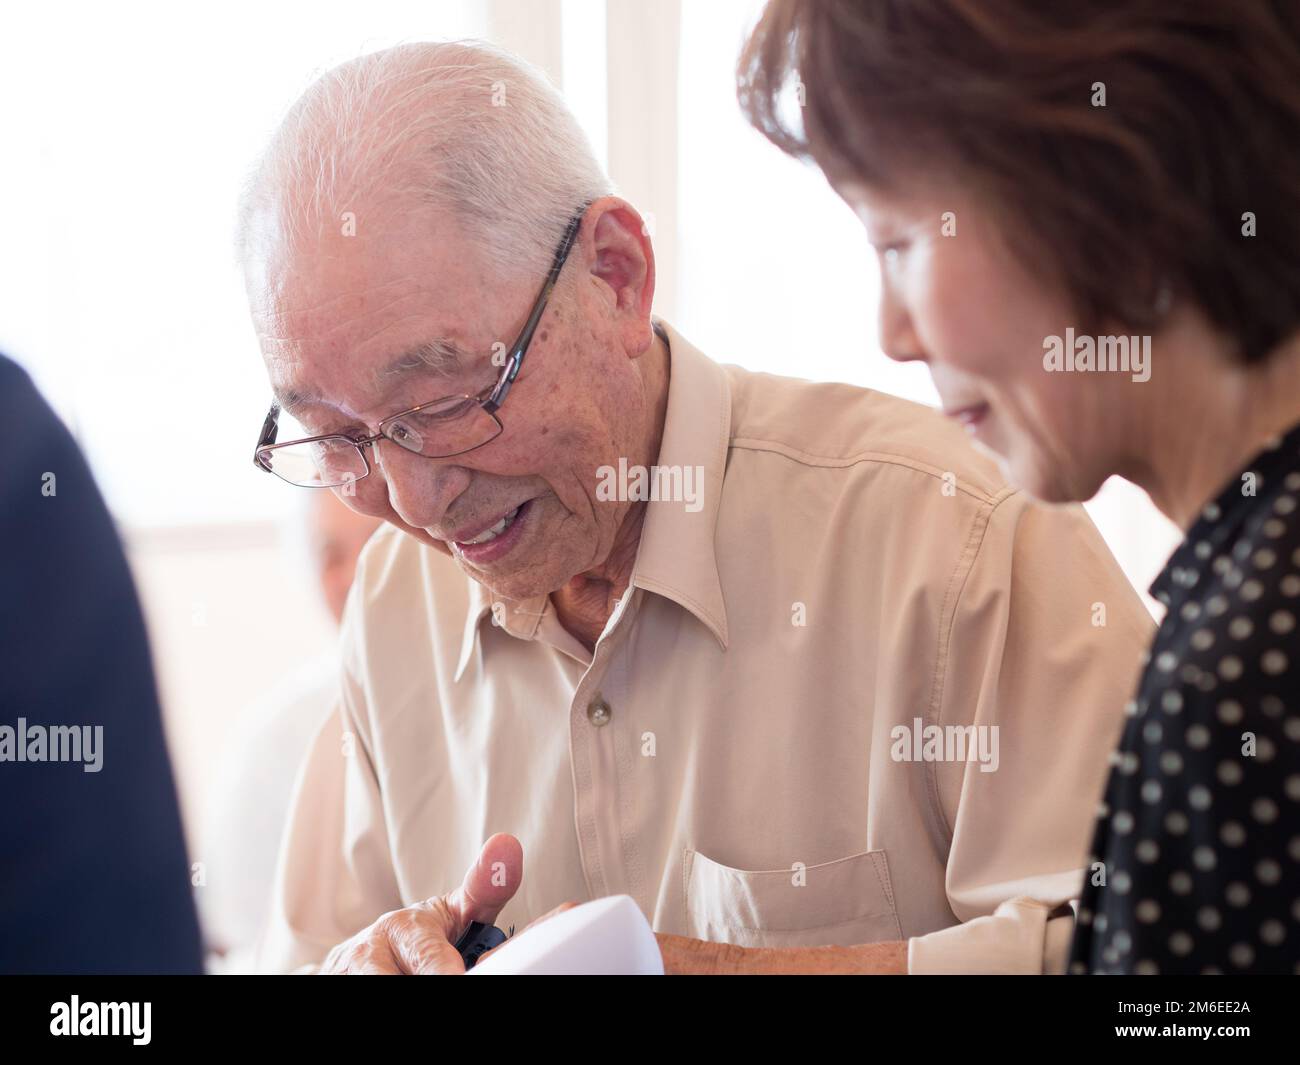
column 1088, row 216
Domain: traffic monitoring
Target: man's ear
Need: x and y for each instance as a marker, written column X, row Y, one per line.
column 622, row 259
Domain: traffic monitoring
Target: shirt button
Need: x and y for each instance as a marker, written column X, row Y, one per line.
column 598, row 712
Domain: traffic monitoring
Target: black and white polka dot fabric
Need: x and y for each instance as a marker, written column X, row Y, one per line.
column 1198, row 835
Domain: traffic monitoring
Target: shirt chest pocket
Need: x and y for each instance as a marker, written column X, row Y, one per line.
column 839, row 903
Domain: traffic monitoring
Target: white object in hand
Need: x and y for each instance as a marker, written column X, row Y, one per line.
column 607, row 937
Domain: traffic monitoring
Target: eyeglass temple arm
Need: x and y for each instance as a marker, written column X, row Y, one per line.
column 270, row 428
column 539, row 306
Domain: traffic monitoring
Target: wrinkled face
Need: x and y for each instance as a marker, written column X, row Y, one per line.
column 337, row 319
column 954, row 297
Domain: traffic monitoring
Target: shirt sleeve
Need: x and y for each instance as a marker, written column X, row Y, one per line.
column 1041, row 653
column 335, row 871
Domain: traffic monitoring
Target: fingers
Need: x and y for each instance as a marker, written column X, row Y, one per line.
column 490, row 883
column 420, row 939
column 365, row 954
column 414, row 940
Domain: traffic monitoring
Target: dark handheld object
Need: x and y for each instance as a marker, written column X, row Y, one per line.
column 477, row 939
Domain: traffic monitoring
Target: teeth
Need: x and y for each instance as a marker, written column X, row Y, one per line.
column 496, row 530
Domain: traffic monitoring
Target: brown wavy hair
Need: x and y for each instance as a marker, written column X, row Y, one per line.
column 1201, row 124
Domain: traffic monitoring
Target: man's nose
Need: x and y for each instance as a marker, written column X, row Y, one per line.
column 420, row 489
column 898, row 337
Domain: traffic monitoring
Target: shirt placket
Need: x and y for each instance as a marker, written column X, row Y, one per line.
column 596, row 720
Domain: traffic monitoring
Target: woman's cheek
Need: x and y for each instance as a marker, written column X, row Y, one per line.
column 1049, row 423
column 959, row 319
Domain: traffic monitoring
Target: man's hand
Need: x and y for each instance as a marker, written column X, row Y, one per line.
column 419, row 939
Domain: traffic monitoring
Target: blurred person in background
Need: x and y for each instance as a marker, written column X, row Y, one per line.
column 692, row 696
column 249, row 803
column 93, row 872
column 1088, row 220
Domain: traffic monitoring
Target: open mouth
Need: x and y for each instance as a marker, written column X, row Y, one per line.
column 487, row 535
column 496, row 540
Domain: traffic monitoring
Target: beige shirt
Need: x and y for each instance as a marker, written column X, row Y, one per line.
column 744, row 753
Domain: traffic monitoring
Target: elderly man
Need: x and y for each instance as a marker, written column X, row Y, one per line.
column 784, row 662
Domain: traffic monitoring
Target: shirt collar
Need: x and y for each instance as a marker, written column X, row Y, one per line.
column 677, row 554
column 480, row 604
column 521, row 619
column 676, row 557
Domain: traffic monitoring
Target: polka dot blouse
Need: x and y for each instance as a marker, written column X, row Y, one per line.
column 1195, row 865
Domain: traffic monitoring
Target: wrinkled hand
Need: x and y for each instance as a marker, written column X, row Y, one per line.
column 420, row 939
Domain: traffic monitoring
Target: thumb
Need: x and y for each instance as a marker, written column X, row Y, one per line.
column 491, row 881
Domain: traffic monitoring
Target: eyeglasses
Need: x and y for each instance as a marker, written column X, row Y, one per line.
column 441, row 428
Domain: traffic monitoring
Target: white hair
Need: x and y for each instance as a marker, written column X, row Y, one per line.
column 461, row 126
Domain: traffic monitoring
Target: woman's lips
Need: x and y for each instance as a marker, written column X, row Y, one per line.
column 499, row 546
column 970, row 416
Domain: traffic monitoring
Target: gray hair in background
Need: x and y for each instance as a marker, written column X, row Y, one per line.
column 457, row 126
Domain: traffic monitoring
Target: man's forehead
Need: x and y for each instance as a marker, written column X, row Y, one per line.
column 440, row 358
column 310, row 290
column 342, row 332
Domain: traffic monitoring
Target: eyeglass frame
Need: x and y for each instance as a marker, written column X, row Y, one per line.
column 490, row 400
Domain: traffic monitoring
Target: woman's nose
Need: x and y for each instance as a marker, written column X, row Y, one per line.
column 898, row 338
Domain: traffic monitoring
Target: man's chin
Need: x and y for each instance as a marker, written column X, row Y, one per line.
column 515, row 585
